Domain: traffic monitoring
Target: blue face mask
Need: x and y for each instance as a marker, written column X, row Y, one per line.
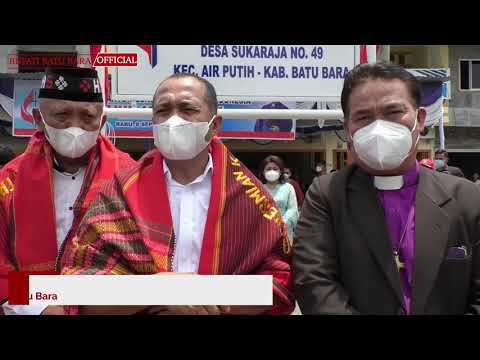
column 439, row 164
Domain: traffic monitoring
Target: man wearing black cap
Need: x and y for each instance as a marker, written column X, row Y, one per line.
column 45, row 192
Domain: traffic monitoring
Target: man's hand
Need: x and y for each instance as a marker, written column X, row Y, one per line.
column 189, row 310
column 175, row 273
column 250, row 310
column 208, row 310
column 53, row 310
column 186, row 309
column 204, row 309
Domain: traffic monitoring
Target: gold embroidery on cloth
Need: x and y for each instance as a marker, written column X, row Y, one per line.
column 6, row 187
column 268, row 210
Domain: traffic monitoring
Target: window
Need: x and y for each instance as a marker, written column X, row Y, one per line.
column 404, row 59
column 423, row 155
column 469, row 74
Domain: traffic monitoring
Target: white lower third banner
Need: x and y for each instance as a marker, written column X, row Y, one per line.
column 151, row 289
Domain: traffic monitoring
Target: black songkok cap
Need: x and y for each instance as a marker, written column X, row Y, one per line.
column 74, row 84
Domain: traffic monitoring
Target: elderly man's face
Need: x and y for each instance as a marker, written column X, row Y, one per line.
column 387, row 100
column 62, row 114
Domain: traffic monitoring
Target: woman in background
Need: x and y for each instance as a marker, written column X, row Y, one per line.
column 272, row 174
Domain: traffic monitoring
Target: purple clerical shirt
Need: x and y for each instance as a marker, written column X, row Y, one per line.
column 396, row 206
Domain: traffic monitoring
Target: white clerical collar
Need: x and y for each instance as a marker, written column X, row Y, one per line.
column 388, row 182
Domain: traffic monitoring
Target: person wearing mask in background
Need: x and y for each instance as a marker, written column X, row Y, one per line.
column 45, row 192
column 272, row 172
column 385, row 235
column 441, row 164
column 290, row 177
column 6, row 155
column 320, row 168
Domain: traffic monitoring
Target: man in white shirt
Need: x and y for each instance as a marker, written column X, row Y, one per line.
column 197, row 209
column 44, row 193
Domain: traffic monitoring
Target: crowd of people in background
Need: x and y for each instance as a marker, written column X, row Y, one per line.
column 440, row 163
column 286, row 187
column 277, row 176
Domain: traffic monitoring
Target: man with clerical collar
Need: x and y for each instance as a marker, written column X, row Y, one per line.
column 385, row 235
column 188, row 207
column 45, row 192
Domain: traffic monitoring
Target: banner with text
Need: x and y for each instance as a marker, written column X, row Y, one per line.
column 239, row 72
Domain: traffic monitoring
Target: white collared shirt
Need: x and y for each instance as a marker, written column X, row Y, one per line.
column 66, row 188
column 189, row 207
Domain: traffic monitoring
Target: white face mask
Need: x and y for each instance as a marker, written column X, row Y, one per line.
column 178, row 139
column 72, row 142
column 384, row 145
column 272, row 175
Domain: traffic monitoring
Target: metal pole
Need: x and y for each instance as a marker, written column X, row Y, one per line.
column 357, row 54
column 251, row 114
column 371, row 54
column 441, row 133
